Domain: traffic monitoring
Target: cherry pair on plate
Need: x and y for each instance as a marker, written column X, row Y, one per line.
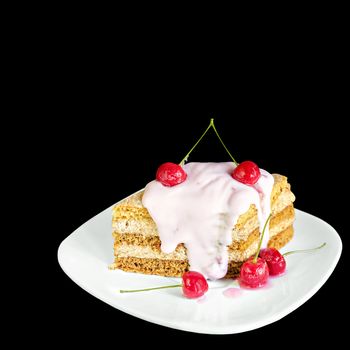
column 254, row 274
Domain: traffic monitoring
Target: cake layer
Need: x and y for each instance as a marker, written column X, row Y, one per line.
column 146, row 229
column 176, row 267
column 129, row 216
column 278, row 223
column 129, row 250
column 134, row 245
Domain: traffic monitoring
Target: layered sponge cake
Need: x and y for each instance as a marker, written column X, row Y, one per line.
column 153, row 229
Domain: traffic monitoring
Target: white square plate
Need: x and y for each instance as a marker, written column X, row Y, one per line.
column 85, row 255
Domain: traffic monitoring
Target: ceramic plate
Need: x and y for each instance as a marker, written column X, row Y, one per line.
column 85, row 255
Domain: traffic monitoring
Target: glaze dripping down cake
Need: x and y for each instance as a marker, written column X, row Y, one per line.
column 211, row 223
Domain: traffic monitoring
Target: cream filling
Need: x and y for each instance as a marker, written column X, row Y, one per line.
column 144, row 252
column 281, row 226
column 133, row 251
column 284, row 200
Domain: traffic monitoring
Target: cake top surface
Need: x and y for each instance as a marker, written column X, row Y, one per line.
column 135, row 200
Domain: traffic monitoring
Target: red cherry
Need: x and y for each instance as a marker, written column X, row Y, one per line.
column 254, row 275
column 246, row 172
column 274, row 260
column 171, row 174
column 194, row 284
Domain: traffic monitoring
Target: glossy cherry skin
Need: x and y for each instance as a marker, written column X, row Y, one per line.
column 171, row 174
column 254, row 275
column 274, row 260
column 246, row 172
column 194, row 284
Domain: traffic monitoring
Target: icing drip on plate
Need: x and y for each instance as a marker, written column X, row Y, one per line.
column 202, row 211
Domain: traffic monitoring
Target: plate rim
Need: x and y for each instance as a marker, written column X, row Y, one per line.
column 234, row 329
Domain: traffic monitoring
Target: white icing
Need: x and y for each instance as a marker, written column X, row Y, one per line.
column 202, row 211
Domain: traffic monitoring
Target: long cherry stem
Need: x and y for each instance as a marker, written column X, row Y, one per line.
column 304, row 250
column 211, row 124
column 217, row 134
column 188, row 154
column 261, row 239
column 147, row 289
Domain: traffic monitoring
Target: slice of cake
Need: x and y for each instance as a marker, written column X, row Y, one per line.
column 210, row 223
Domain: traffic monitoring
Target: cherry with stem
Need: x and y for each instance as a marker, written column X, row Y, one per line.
column 194, row 285
column 255, row 272
column 171, row 174
column 276, row 261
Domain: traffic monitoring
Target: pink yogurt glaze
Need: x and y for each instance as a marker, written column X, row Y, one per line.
column 202, row 211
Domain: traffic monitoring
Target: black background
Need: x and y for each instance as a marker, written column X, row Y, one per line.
column 102, row 159
column 100, row 124
column 97, row 107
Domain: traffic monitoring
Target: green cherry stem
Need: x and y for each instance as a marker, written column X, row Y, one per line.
column 261, row 239
column 217, row 134
column 147, row 289
column 304, row 250
column 211, row 124
column 188, row 154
